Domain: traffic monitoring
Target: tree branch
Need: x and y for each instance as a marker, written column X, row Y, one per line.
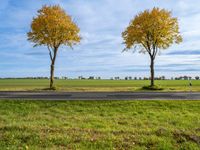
column 148, row 45
column 50, row 54
column 148, row 48
column 155, row 49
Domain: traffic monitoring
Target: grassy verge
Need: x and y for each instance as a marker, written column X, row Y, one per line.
column 95, row 85
column 100, row 125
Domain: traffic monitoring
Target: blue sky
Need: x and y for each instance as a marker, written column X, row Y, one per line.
column 100, row 52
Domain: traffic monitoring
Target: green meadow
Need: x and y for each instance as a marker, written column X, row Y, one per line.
column 90, row 125
column 95, row 85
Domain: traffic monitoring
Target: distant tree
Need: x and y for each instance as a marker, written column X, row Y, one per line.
column 52, row 28
column 151, row 31
column 80, row 77
column 185, row 77
column 117, row 78
column 197, row 77
column 181, row 78
column 91, row 78
column 163, row 78
column 98, row 78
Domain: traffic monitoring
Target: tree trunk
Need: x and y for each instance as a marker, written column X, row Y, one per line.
column 52, row 68
column 52, row 76
column 152, row 71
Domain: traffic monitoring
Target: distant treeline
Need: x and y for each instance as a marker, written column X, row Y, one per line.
column 113, row 78
column 27, row 78
column 157, row 78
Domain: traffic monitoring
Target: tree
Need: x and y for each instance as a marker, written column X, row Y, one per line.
column 52, row 28
column 150, row 31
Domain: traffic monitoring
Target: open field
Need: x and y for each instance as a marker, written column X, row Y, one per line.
column 95, row 85
column 93, row 125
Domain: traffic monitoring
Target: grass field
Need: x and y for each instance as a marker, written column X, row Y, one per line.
column 95, row 85
column 164, row 125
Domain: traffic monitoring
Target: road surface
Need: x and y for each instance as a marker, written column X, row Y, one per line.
column 99, row 95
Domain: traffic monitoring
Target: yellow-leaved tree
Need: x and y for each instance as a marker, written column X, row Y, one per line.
column 52, row 28
column 151, row 31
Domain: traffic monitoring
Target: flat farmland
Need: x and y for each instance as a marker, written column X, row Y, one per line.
column 95, row 85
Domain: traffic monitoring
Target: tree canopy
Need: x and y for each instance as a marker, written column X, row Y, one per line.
column 53, row 27
column 152, row 30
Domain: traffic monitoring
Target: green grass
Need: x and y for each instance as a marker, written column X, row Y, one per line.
column 95, row 85
column 90, row 125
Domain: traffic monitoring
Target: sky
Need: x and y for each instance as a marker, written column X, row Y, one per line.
column 100, row 52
